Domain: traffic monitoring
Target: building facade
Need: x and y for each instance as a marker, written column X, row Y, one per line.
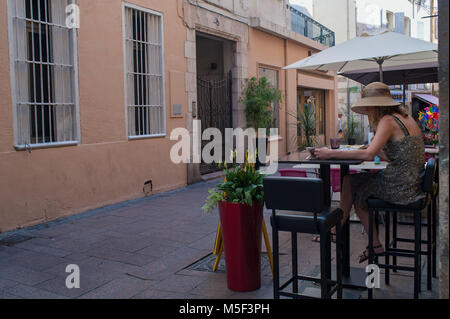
column 351, row 18
column 93, row 89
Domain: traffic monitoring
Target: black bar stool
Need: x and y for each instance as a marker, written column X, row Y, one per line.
column 434, row 218
column 377, row 205
column 304, row 196
column 431, row 226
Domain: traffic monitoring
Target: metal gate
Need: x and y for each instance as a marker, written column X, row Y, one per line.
column 214, row 110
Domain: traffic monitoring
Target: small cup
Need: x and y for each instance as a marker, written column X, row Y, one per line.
column 311, row 150
column 335, row 143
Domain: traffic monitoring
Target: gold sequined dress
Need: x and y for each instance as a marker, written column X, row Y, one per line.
column 401, row 181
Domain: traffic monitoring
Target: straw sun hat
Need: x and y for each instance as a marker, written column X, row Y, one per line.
column 375, row 94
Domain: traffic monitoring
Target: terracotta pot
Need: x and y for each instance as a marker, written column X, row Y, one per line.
column 242, row 233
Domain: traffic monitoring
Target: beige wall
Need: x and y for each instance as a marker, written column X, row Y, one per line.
column 274, row 11
column 105, row 168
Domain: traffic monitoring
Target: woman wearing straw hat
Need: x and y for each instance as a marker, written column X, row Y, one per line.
column 398, row 140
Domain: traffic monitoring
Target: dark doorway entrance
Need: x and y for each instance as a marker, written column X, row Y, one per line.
column 214, row 90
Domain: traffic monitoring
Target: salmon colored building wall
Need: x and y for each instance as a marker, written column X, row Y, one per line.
column 274, row 52
column 266, row 50
column 105, row 167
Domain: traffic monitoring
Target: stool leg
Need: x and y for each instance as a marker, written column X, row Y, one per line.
column 328, row 263
column 294, row 262
column 394, row 238
column 377, row 227
column 339, row 260
column 417, row 252
column 276, row 270
column 434, row 230
column 429, row 246
column 387, row 230
column 325, row 263
column 371, row 213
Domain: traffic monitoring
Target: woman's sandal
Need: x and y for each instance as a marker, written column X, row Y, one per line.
column 365, row 254
column 316, row 239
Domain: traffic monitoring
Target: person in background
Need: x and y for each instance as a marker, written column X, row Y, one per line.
column 340, row 134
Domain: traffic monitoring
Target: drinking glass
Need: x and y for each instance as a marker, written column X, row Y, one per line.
column 335, row 143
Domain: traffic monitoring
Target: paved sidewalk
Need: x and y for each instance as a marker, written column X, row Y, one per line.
column 141, row 249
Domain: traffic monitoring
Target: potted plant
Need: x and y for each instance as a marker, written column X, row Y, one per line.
column 351, row 131
column 308, row 125
column 259, row 96
column 240, row 201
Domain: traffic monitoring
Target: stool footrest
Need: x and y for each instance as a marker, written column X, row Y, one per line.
column 399, row 252
column 410, row 251
column 409, row 240
column 299, row 296
column 306, row 278
column 286, row 283
column 411, row 224
column 396, row 267
column 294, row 295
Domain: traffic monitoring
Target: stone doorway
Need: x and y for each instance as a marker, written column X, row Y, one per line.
column 214, row 88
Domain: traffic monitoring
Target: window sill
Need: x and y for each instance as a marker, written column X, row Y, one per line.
column 144, row 137
column 275, row 138
column 45, row 145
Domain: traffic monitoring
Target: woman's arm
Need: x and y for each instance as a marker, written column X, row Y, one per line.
column 384, row 132
column 382, row 155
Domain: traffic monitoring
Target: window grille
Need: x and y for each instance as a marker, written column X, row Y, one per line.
column 144, row 73
column 43, row 54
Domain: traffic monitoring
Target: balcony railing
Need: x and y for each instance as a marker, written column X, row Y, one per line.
column 310, row 28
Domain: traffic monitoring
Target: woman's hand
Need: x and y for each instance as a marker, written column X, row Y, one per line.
column 323, row 153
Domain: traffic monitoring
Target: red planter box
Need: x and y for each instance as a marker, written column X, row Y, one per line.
column 242, row 233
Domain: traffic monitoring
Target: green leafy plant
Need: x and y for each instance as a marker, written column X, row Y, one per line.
column 258, row 96
column 352, row 127
column 242, row 185
column 354, row 132
column 308, row 126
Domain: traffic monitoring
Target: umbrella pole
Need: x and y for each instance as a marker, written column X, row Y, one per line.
column 380, row 67
column 404, row 94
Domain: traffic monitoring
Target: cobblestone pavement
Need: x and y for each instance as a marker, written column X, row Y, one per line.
column 142, row 249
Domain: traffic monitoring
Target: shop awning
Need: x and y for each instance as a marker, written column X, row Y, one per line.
column 409, row 74
column 427, row 98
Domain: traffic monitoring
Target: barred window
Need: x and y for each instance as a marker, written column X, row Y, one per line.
column 144, row 72
column 272, row 77
column 43, row 72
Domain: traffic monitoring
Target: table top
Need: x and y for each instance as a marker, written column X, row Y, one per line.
column 364, row 165
column 303, row 158
column 434, row 150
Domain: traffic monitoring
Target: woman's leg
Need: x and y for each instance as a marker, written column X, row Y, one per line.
column 346, row 206
column 363, row 215
column 346, row 198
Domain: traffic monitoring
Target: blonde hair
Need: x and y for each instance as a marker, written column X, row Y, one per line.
column 380, row 111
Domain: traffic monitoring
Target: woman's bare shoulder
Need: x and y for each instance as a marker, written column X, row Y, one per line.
column 387, row 120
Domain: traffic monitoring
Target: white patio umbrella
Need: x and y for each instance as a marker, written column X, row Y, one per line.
column 387, row 49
